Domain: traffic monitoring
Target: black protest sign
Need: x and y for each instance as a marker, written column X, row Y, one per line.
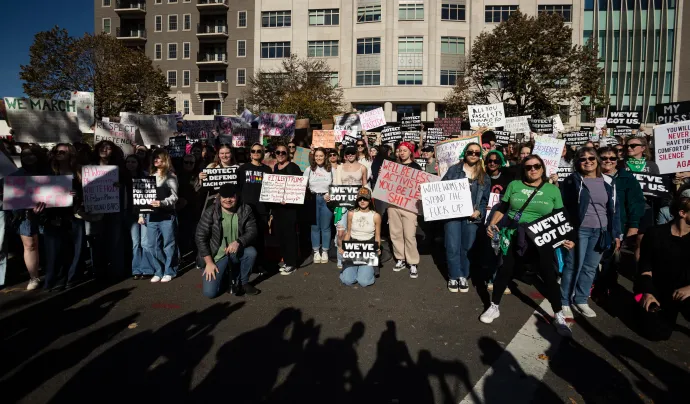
column 564, row 172
column 587, row 129
column 623, row 118
column 622, row 131
column 412, row 136
column 391, row 134
column 143, row 193
column 422, row 163
column 215, row 177
column 576, row 139
column 343, row 196
column 361, row 252
column 176, row 146
column 434, row 136
column 672, row 112
column 411, row 122
column 550, row 231
column 350, row 139
column 449, row 125
column 504, row 137
column 654, row 186
column 540, row 125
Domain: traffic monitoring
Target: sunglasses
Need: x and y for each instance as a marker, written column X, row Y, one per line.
column 590, row 158
column 492, row 161
column 632, row 146
column 473, row 153
column 360, row 145
column 612, row 159
column 292, row 147
column 332, row 155
column 530, row 167
column 619, row 149
column 256, row 151
column 281, row 153
column 349, row 154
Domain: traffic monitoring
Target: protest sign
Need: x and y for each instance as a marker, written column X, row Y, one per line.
column 550, row 232
column 226, row 124
column 277, row 125
column 38, row 120
column 541, row 125
column 588, row 129
column 490, row 116
column 7, row 166
column 219, row 176
column 503, row 137
column 672, row 147
column 449, row 125
column 653, row 185
column 143, row 193
column 599, row 124
column 346, row 122
column 361, row 252
column 151, row 129
column 245, row 137
column 549, row 149
column 100, row 193
column 448, row 152
column 372, row 119
column 411, row 123
column 350, row 138
column 24, row 192
column 434, row 136
column 123, row 135
column 391, row 134
column 671, row 112
column 494, row 199
column 301, row 158
column 247, row 116
column 341, row 133
column 564, row 172
column 622, row 131
column 197, row 129
column 277, row 188
column 623, row 118
column 422, row 163
column 446, row 199
column 517, row 124
column 343, row 196
column 557, row 123
column 177, row 146
column 399, row 185
column 577, row 139
column 412, row 136
column 323, row 138
column 85, row 110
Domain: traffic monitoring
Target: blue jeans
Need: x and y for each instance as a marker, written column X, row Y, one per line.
column 161, row 246
column 63, row 250
column 362, row 274
column 140, row 263
column 321, row 231
column 228, row 266
column 580, row 267
column 460, row 236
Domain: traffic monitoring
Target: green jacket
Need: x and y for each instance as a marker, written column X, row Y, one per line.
column 630, row 199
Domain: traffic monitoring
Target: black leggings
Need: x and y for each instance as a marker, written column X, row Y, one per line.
column 659, row 326
column 285, row 228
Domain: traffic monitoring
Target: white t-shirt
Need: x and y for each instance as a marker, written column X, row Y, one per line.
column 319, row 180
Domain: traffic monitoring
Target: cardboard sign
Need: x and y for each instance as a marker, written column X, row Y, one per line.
column 343, row 196
column 541, row 125
column 177, row 146
column 277, row 125
column 622, row 131
column 85, row 110
column 100, row 193
column 557, row 123
column 346, row 122
column 323, row 138
column 412, row 136
column 151, row 129
column 447, row 199
column 143, row 193
column 38, row 120
column 599, row 124
column 517, row 124
column 123, row 135
column 26, row 192
column 503, row 138
column 372, row 119
column 391, row 135
column 623, row 118
column 411, row 123
column 434, row 136
column 448, row 125
column 219, row 176
column 672, row 112
column 564, row 172
column 550, row 232
column 277, row 188
column 399, row 185
column 672, row 147
column 654, row 186
column 490, row 116
column 577, row 139
column 448, row 152
column 549, row 149
column 301, row 158
column 361, row 252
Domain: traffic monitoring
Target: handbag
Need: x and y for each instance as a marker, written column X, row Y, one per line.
column 520, row 238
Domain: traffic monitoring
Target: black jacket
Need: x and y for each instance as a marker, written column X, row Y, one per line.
column 209, row 231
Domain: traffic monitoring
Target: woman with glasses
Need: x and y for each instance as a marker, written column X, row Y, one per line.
column 462, row 232
column 292, row 149
column 353, row 173
column 590, row 201
column 319, row 179
column 363, row 224
column 333, row 158
column 516, row 249
column 284, row 216
column 428, row 155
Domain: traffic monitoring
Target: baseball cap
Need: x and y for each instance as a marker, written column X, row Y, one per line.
column 227, row 190
column 364, row 193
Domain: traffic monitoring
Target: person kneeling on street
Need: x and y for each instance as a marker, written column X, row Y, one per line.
column 363, row 224
column 224, row 237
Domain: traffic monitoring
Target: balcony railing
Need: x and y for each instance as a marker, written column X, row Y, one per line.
column 216, row 87
column 125, row 33
column 212, row 29
column 125, row 6
column 212, row 4
column 212, row 58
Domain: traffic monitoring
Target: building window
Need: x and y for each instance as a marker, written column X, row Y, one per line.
column 368, row 46
column 322, row 49
column 616, row 44
column 449, row 77
column 368, row 78
column 329, row 16
column 452, row 45
column 106, row 25
column 239, row 106
column 241, row 77
column 655, row 83
column 158, row 51
column 667, row 83
column 159, row 2
column 409, row 77
column 241, row 48
column 333, row 78
column 564, row 10
column 158, row 24
column 187, row 22
column 498, row 13
column 172, row 51
column 185, row 107
column 657, row 44
column 276, row 19
column 275, row 50
column 614, row 84
column 172, row 1
column 452, row 12
column 628, row 83
column 172, row 22
column 410, row 10
column 640, row 87
column 410, row 44
column 241, row 19
column 186, row 50
column 669, row 45
column 186, row 78
column 106, row 3
column 172, row 78
column 369, row 13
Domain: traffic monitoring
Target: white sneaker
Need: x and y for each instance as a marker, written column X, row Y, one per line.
column 317, row 257
column 33, row 283
column 166, row 278
column 464, row 285
column 490, row 314
column 567, row 312
column 585, row 310
column 155, row 279
column 561, row 325
column 453, row 285
column 413, row 272
column 324, row 257
column 399, row 266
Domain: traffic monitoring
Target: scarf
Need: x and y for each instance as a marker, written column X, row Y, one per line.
column 636, row 165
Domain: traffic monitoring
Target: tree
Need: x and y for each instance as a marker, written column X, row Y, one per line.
column 122, row 79
column 529, row 64
column 300, row 86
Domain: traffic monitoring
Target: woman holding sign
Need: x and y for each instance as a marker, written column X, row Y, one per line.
column 223, row 159
column 140, row 262
column 363, row 224
column 284, row 216
column 319, row 179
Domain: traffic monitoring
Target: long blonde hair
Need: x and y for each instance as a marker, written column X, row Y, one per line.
column 165, row 158
column 479, row 172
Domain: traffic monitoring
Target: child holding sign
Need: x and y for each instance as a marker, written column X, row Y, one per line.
column 362, row 225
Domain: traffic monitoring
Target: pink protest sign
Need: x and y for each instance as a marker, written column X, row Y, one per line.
column 26, row 192
column 399, row 185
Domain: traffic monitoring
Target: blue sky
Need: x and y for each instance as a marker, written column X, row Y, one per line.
column 20, row 20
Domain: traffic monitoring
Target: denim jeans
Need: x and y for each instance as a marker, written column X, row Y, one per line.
column 63, row 245
column 3, row 250
column 460, row 236
column 161, row 246
column 362, row 274
column 140, row 263
column 227, row 266
column 321, row 231
column 580, row 267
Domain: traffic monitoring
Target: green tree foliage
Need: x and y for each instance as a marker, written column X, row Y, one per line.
column 531, row 65
column 122, row 79
column 300, row 86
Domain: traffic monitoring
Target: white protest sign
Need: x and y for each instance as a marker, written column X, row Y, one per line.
column 446, row 199
column 372, row 119
column 151, row 129
column 25, row 192
column 100, row 193
column 399, row 185
column 121, row 134
column 557, row 123
column 490, row 116
column 517, row 124
column 494, row 199
column 39, row 120
column 277, row 188
column 599, row 124
column 672, row 146
column 85, row 110
column 550, row 150
column 448, row 152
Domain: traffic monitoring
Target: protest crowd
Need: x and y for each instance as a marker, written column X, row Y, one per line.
column 510, row 198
